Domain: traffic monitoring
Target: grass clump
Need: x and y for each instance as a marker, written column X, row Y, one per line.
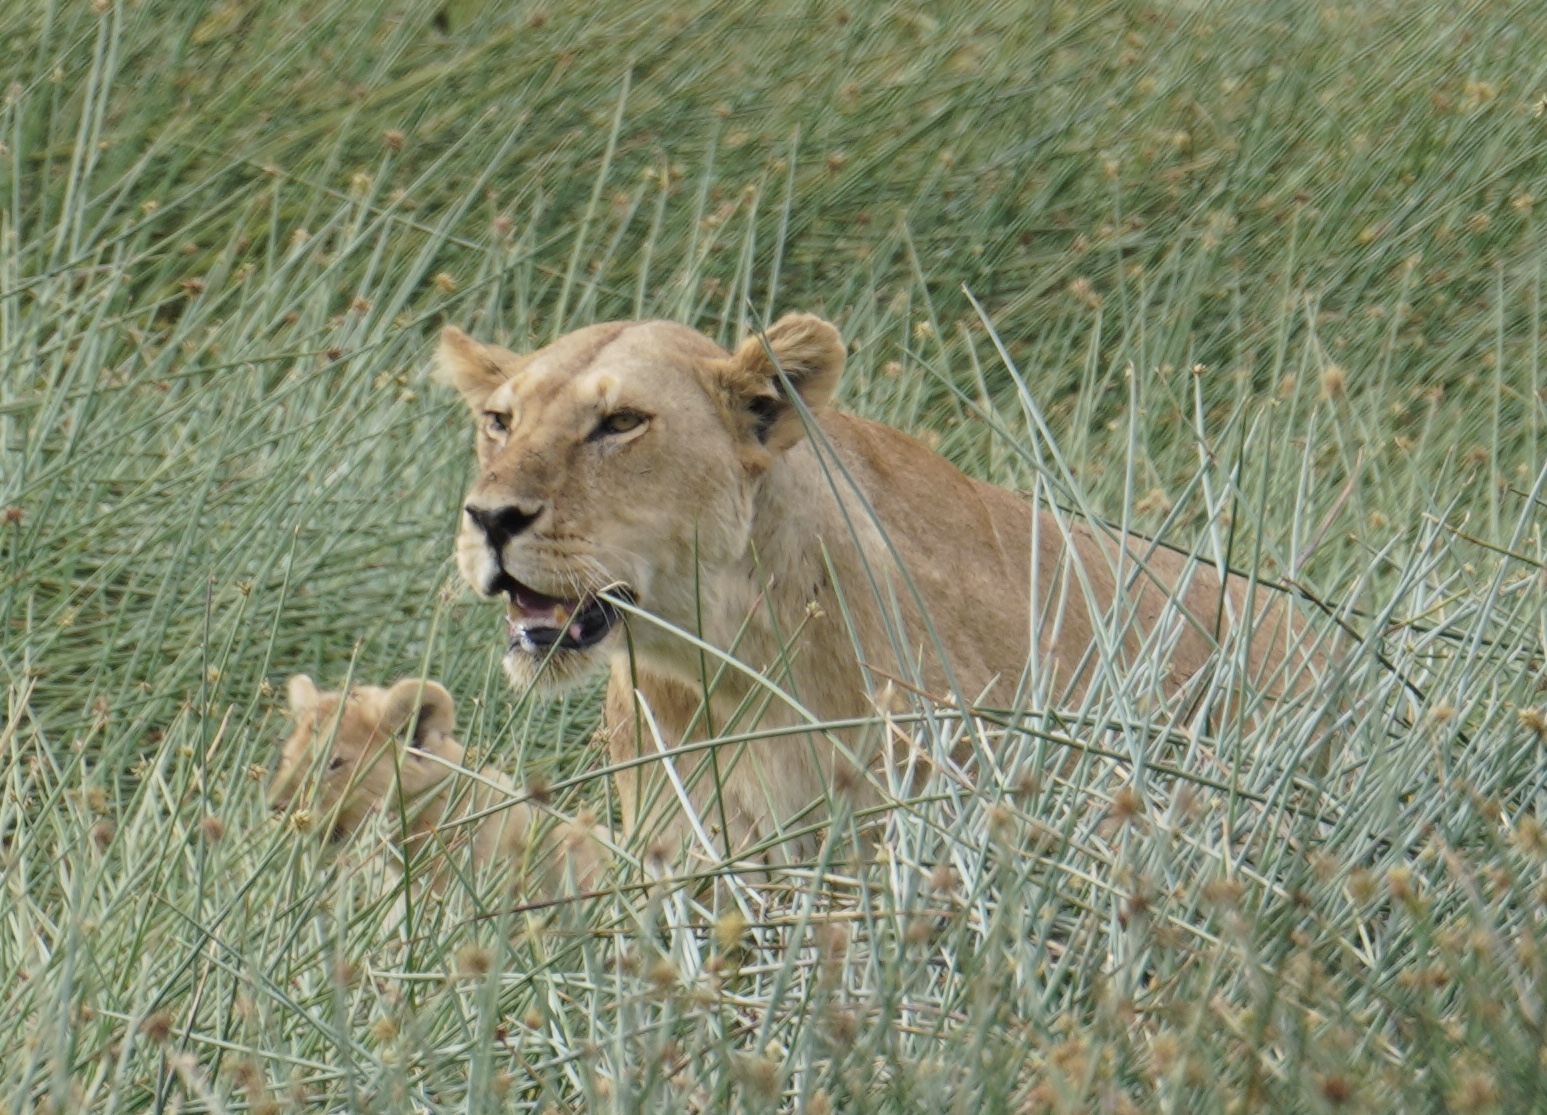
column 1264, row 278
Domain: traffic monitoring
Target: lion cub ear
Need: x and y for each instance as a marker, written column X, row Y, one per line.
column 425, row 704
column 474, row 369
column 303, row 695
column 810, row 353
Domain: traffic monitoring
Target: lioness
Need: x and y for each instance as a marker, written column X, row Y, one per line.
column 639, row 465
column 355, row 745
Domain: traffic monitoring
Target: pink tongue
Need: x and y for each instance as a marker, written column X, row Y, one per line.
column 535, row 603
column 540, row 608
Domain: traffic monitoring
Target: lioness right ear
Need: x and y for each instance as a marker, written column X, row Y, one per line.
column 425, row 703
column 303, row 694
column 809, row 353
column 477, row 370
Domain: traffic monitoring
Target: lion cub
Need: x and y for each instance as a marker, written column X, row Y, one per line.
column 375, row 748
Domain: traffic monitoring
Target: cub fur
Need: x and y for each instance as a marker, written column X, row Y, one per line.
column 391, row 748
column 651, row 504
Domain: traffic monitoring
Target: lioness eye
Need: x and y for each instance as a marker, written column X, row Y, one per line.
column 619, row 422
column 498, row 423
column 335, row 762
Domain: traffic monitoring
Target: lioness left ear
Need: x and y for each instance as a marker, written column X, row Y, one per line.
column 810, row 353
column 477, row 370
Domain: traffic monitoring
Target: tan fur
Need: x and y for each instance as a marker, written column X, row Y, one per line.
column 347, row 757
column 815, row 564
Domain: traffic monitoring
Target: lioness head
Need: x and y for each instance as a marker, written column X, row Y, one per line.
column 620, row 461
column 339, row 761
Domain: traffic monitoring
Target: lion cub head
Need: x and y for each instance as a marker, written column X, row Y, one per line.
column 339, row 761
column 619, row 464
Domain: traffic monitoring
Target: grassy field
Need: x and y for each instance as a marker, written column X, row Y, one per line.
column 1265, row 278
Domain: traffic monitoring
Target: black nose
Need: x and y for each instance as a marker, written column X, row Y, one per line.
column 501, row 524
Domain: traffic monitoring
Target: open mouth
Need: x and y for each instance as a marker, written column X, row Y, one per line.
column 540, row 623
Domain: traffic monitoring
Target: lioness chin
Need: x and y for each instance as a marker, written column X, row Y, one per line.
column 642, row 494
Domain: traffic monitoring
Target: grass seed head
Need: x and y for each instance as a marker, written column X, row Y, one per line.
column 1361, row 885
column 728, row 929
column 663, row 974
column 1475, row 1093
column 1223, row 891
column 102, row 833
column 1528, row 836
column 842, row 1028
column 1001, row 821
column 157, row 1027
column 474, row 961
column 1401, row 885
column 1127, row 803
column 1334, row 382
column 1336, row 1089
column 1165, row 1049
column 1084, row 291
column 760, row 1074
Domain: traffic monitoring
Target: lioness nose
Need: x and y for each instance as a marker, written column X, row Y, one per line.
column 501, row 524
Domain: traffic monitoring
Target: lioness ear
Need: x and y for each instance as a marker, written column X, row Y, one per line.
column 474, row 369
column 303, row 694
column 810, row 353
column 424, row 703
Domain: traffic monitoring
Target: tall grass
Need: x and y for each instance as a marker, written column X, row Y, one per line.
column 1263, row 278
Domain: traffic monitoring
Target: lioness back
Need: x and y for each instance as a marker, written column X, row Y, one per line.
column 970, row 550
column 651, row 504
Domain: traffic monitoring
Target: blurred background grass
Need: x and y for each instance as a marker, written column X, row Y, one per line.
column 1274, row 266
